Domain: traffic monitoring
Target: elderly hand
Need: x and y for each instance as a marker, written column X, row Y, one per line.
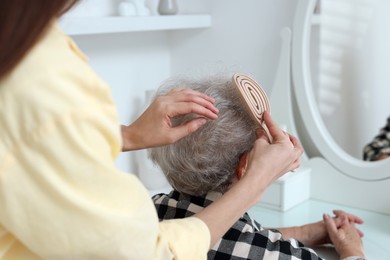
column 315, row 234
column 268, row 161
column 346, row 237
column 154, row 127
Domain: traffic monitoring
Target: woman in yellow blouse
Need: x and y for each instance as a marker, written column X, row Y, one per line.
column 61, row 196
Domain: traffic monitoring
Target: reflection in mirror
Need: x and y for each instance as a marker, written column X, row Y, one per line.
column 353, row 73
column 315, row 129
column 379, row 148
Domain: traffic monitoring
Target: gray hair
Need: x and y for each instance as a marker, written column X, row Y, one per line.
column 207, row 159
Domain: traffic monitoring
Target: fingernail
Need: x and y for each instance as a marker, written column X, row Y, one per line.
column 202, row 121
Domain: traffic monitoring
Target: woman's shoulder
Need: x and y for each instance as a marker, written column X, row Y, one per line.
column 54, row 73
column 51, row 82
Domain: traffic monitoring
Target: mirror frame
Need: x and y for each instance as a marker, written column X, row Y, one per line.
column 308, row 109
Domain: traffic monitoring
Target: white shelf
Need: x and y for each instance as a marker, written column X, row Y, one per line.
column 119, row 24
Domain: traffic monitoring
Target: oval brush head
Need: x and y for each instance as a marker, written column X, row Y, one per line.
column 253, row 96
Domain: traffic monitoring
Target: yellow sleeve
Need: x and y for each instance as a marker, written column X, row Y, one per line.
column 188, row 238
column 61, row 196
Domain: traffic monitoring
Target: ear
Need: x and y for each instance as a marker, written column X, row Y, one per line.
column 241, row 168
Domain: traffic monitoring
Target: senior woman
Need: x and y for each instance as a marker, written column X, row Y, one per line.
column 203, row 166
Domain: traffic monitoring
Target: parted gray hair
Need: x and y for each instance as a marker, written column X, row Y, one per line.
column 207, row 159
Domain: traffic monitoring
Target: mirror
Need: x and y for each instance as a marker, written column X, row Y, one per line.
column 351, row 65
column 308, row 107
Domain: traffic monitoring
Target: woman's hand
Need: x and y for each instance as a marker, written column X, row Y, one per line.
column 346, row 238
column 268, row 161
column 265, row 163
column 154, row 128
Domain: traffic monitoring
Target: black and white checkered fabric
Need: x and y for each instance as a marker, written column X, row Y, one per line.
column 380, row 145
column 246, row 239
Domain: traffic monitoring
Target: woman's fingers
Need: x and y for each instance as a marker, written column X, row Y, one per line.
column 276, row 133
column 182, row 108
column 269, row 122
column 190, row 96
column 361, row 234
column 189, row 127
column 296, row 143
column 155, row 123
column 184, row 101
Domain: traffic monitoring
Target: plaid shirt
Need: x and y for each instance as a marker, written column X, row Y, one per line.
column 246, row 239
column 380, row 145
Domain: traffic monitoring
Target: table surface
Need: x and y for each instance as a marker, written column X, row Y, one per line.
column 376, row 226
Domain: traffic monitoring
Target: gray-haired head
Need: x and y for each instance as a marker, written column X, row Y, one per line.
column 207, row 159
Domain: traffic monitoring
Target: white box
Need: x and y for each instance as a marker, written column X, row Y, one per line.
column 288, row 191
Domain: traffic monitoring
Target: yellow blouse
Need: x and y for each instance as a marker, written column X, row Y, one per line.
column 61, row 196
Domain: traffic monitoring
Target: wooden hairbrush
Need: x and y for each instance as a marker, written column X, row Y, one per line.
column 254, row 98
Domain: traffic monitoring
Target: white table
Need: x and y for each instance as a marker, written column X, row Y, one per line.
column 376, row 227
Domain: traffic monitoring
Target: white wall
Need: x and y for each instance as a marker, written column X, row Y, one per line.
column 245, row 35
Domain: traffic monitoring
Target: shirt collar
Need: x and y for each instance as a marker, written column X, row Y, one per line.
column 203, row 201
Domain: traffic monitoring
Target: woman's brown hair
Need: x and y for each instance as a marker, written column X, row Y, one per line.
column 22, row 22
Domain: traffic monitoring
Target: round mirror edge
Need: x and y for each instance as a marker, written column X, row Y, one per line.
column 331, row 151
